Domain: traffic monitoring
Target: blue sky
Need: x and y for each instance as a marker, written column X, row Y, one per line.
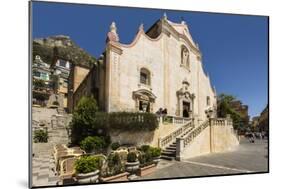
column 234, row 47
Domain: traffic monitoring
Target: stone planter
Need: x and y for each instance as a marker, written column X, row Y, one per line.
column 156, row 160
column 116, row 178
column 132, row 167
column 85, row 178
column 146, row 170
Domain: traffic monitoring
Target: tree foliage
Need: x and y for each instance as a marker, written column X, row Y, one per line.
column 224, row 108
column 83, row 121
column 39, row 84
column 93, row 143
column 40, row 96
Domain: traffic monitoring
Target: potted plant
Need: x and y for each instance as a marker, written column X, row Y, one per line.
column 115, row 170
column 155, row 153
column 87, row 169
column 115, row 145
column 147, row 165
column 132, row 164
column 93, row 143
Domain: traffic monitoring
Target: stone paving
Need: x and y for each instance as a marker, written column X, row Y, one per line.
column 246, row 158
column 43, row 165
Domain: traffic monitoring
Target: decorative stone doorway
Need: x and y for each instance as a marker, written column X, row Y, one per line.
column 185, row 101
column 144, row 100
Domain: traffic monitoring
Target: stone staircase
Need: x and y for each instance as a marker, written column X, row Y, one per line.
column 169, row 153
column 186, row 135
column 168, row 143
column 43, row 165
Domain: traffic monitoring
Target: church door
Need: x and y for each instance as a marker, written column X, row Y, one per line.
column 186, row 109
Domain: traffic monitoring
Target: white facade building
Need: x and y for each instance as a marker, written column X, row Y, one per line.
column 160, row 68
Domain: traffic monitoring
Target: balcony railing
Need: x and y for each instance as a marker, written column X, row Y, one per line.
column 169, row 119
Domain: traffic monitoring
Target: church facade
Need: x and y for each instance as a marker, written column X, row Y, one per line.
column 160, row 68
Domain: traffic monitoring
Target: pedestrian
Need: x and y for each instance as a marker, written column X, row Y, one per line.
column 165, row 111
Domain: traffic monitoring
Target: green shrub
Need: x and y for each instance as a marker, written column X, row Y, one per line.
column 144, row 148
column 114, row 164
column 93, row 143
column 132, row 157
column 40, row 136
column 127, row 121
column 39, row 84
column 145, row 158
column 40, row 96
column 155, row 152
column 83, row 120
column 115, row 145
column 87, row 164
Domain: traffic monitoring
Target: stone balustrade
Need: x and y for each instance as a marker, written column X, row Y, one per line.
column 194, row 133
column 173, row 119
column 183, row 142
column 163, row 142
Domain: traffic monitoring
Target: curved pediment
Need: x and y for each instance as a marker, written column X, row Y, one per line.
column 144, row 95
column 179, row 31
column 137, row 37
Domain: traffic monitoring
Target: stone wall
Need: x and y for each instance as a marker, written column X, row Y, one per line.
column 79, row 75
column 139, row 138
column 211, row 140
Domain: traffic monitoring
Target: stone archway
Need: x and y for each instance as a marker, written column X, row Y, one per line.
column 144, row 100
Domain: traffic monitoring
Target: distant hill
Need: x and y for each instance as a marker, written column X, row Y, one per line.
column 61, row 47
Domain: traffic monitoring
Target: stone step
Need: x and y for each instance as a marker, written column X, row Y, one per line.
column 167, row 157
column 171, row 148
column 173, row 145
column 168, row 153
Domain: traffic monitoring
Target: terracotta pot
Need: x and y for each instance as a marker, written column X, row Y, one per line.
column 146, row 170
column 115, row 178
column 84, row 178
column 132, row 166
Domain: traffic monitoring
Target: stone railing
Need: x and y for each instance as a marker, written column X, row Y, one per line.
column 163, row 142
column 183, row 142
column 221, row 122
column 189, row 138
column 165, row 119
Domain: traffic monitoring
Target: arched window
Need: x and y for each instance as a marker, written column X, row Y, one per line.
column 144, row 76
column 185, row 57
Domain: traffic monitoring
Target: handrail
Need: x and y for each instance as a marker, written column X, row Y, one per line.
column 189, row 138
column 174, row 119
column 221, row 121
column 172, row 136
column 213, row 122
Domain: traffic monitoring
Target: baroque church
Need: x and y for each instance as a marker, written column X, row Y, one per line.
column 161, row 68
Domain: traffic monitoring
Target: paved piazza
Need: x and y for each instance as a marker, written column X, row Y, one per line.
column 247, row 158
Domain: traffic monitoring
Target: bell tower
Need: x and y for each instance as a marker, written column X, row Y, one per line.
column 112, row 79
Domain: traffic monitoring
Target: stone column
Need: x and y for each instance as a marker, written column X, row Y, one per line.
column 211, row 135
column 159, row 140
column 179, row 149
